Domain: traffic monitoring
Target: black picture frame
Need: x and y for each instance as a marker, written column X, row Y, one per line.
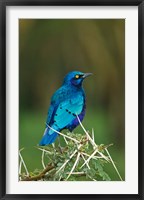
column 3, row 5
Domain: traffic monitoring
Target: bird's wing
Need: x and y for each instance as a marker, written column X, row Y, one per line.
column 50, row 113
column 67, row 111
column 57, row 97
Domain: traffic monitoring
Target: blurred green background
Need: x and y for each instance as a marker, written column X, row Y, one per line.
column 48, row 50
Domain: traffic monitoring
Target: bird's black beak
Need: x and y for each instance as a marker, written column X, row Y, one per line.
column 86, row 75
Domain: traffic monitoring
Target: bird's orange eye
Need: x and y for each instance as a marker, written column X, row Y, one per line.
column 76, row 76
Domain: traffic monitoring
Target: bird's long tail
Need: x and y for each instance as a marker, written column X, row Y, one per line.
column 49, row 137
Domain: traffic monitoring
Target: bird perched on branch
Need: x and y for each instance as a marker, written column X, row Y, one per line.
column 67, row 103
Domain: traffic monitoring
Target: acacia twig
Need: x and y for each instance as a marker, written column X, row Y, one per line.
column 26, row 170
column 20, row 167
column 41, row 175
column 93, row 136
column 66, row 162
column 42, row 159
column 77, row 159
column 87, row 161
column 76, row 141
column 41, row 149
column 90, row 139
column 114, row 164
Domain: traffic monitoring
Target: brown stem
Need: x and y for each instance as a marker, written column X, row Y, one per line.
column 41, row 175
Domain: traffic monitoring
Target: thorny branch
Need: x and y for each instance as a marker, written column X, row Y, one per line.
column 41, row 175
column 84, row 156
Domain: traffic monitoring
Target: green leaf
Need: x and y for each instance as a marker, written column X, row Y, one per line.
column 98, row 166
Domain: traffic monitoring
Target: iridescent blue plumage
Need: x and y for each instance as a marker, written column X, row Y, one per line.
column 66, row 103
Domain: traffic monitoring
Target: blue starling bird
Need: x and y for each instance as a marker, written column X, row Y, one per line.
column 67, row 103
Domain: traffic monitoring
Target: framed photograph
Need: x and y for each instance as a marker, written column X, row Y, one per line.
column 71, row 99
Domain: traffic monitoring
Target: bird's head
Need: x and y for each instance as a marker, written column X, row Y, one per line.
column 75, row 78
